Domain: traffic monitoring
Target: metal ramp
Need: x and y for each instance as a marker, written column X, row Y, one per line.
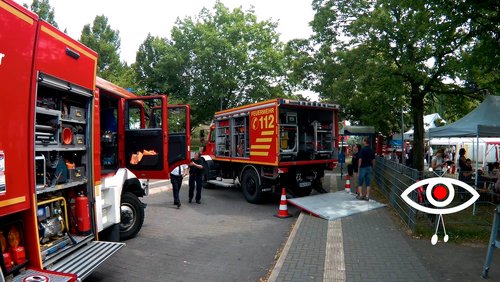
column 86, row 259
column 331, row 206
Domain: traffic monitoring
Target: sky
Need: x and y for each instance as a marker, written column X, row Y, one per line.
column 135, row 19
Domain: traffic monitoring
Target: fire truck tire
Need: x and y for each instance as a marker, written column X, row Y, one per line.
column 251, row 188
column 205, row 176
column 132, row 216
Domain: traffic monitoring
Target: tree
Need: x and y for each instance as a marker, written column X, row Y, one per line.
column 148, row 70
column 43, row 10
column 106, row 42
column 217, row 60
column 389, row 52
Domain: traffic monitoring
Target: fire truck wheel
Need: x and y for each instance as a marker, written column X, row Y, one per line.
column 251, row 188
column 132, row 216
column 205, row 178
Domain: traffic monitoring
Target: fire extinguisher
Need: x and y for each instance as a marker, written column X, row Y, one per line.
column 82, row 214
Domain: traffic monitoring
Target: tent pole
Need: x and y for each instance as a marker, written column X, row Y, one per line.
column 477, row 168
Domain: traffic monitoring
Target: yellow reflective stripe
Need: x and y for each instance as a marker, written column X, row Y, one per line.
column 265, row 154
column 264, row 133
column 69, row 43
column 16, row 13
column 12, row 201
column 264, row 140
column 265, row 147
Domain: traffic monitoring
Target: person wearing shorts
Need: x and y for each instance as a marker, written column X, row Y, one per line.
column 365, row 164
column 355, row 164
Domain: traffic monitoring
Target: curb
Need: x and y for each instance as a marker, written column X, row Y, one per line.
column 284, row 253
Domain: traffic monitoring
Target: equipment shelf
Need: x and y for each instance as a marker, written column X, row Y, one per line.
column 61, row 186
column 41, row 110
column 49, row 148
column 73, row 120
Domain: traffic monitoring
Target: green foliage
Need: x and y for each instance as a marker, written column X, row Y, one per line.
column 217, row 60
column 374, row 56
column 43, row 9
column 152, row 53
column 106, row 42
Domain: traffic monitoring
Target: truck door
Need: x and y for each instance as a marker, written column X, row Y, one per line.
column 146, row 136
column 178, row 135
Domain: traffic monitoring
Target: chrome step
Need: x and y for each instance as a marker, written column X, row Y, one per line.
column 86, row 259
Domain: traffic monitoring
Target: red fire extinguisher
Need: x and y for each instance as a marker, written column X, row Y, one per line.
column 82, row 214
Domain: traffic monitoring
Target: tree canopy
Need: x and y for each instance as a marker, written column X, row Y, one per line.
column 376, row 56
column 219, row 59
column 106, row 42
column 43, row 9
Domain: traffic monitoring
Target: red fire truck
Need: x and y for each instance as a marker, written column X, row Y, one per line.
column 272, row 144
column 72, row 147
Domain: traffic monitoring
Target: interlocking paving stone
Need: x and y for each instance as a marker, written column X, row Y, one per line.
column 306, row 256
column 379, row 250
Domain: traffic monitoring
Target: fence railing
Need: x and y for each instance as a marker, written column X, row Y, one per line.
column 393, row 178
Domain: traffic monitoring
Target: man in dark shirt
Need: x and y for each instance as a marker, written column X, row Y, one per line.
column 195, row 177
column 365, row 163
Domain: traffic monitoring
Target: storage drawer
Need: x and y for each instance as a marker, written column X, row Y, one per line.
column 77, row 113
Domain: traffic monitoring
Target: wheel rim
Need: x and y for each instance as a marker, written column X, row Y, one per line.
column 251, row 186
column 128, row 217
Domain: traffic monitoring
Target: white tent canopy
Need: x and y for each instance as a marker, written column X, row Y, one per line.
column 429, row 122
column 483, row 121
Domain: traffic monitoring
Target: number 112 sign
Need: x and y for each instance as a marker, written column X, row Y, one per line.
column 263, row 134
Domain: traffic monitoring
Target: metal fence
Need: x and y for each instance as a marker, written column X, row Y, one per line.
column 393, row 178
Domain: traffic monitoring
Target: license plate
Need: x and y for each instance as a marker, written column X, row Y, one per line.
column 304, row 184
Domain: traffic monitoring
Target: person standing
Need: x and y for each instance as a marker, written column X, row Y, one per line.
column 195, row 177
column 176, row 176
column 365, row 163
column 438, row 162
column 355, row 162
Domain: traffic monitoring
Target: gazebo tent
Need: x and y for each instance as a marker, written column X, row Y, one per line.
column 429, row 122
column 483, row 121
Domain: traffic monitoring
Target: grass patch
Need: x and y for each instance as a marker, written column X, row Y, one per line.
column 462, row 227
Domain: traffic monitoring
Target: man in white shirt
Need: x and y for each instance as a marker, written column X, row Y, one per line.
column 176, row 176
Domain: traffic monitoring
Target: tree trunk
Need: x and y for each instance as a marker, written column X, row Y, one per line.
column 417, row 108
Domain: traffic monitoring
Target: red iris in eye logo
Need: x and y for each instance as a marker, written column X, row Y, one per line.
column 440, row 192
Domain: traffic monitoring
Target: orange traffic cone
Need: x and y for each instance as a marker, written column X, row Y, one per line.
column 348, row 184
column 283, row 210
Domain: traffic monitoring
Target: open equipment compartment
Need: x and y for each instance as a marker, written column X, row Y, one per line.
column 63, row 168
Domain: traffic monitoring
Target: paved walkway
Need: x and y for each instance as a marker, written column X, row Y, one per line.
column 371, row 246
column 361, row 247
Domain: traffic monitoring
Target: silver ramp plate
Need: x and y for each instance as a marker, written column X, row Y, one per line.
column 86, row 259
column 331, row 206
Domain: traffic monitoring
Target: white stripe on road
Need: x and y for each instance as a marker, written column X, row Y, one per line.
column 334, row 257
